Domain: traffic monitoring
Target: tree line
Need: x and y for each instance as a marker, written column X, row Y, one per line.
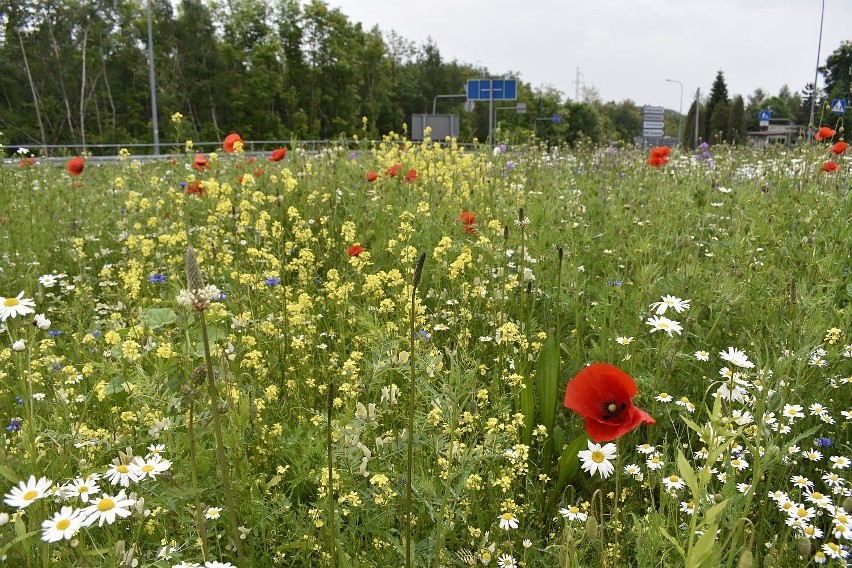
column 76, row 72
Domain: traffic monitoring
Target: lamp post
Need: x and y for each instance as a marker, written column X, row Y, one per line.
column 153, row 83
column 680, row 110
column 435, row 100
column 816, row 74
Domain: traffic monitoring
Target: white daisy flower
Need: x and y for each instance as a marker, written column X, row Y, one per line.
column 107, row 508
column 659, row 323
column 26, row 493
column 13, row 307
column 736, row 357
column 63, row 525
column 573, row 513
column 597, row 459
column 508, row 521
column 673, row 302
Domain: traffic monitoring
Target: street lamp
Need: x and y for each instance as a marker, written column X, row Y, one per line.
column 816, row 74
column 680, row 110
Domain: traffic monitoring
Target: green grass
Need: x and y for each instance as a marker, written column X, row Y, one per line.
column 765, row 266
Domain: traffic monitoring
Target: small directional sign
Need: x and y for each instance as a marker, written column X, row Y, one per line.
column 556, row 119
column 652, row 124
column 838, row 106
column 652, row 133
column 764, row 117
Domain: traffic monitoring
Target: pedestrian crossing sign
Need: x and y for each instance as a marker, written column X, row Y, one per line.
column 838, row 106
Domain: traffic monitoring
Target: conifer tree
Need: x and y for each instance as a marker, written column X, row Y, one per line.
column 736, row 122
column 718, row 94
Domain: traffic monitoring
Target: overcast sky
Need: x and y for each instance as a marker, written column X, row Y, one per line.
column 626, row 49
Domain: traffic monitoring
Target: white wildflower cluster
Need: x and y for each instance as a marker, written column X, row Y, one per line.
column 199, row 300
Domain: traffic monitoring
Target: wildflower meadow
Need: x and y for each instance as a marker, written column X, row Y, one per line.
column 421, row 354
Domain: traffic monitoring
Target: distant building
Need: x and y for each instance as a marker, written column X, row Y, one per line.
column 779, row 131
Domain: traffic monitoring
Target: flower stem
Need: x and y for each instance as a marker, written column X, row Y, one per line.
column 220, row 446
column 199, row 517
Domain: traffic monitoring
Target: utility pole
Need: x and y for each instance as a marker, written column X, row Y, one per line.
column 153, row 83
column 811, row 126
column 577, row 83
column 697, row 112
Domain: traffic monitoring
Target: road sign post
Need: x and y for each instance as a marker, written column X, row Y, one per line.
column 492, row 90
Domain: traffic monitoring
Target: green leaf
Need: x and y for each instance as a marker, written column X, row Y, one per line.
column 158, row 317
column 849, row 289
column 116, row 385
column 7, row 472
column 703, row 549
column 569, row 462
column 547, row 382
column 674, row 542
column 688, row 474
column 528, row 410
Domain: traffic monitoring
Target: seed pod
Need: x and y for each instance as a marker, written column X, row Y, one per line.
column 199, row 374
column 194, row 279
column 418, row 270
column 847, row 504
column 769, row 561
column 746, row 559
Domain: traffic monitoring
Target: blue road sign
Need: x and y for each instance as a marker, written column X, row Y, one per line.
column 765, row 115
column 556, row 119
column 838, row 106
column 492, row 89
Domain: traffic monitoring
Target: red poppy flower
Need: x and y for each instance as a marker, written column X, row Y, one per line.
column 355, row 250
column 75, row 166
column 230, row 140
column 657, row 161
column 393, row 170
column 195, row 189
column 830, row 167
column 410, row 176
column 823, row 133
column 661, row 152
column 26, row 162
column 250, row 160
column 468, row 221
column 371, row 175
column 839, row 148
column 603, row 396
column 258, row 172
column 278, row 155
column 200, row 163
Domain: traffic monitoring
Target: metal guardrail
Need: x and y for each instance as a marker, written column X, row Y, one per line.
column 252, row 147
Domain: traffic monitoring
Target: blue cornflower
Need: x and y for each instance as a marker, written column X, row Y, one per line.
column 158, row 278
column 823, row 442
column 353, row 155
column 510, row 165
column 272, row 281
column 54, row 332
column 56, row 367
column 19, row 400
column 182, row 184
column 96, row 333
column 424, row 335
column 14, row 425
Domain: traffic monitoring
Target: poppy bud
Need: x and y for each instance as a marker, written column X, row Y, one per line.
column 592, row 528
column 770, row 560
column 803, row 547
column 223, row 407
column 847, row 504
column 746, row 559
